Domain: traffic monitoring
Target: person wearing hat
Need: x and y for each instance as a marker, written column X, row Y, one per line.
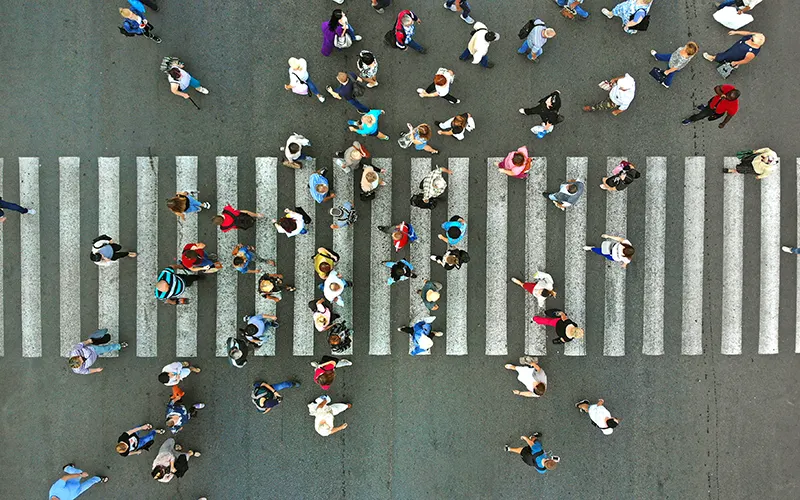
column 532, row 377
column 370, row 180
column 270, row 287
column 84, row 355
column 431, row 293
column 399, row 271
column 621, row 91
column 533, row 454
column 566, row 329
column 266, row 397
column 402, row 234
column 299, row 81
column 344, row 215
column 454, row 230
column 350, row 157
column 319, row 187
column 540, row 286
column 238, row 350
column 421, row 334
column 322, row 314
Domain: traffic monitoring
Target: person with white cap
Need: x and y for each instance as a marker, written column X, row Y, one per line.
column 299, row 81
column 370, row 180
column 621, row 91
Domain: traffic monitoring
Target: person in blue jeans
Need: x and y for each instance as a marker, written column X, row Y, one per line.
column 421, row 334
column 131, row 443
column 793, row 250
column 533, row 454
column 453, row 5
column 70, row 486
column 13, row 206
column 346, row 91
column 266, row 397
column 676, row 61
column 84, row 355
column 534, row 43
column 574, row 6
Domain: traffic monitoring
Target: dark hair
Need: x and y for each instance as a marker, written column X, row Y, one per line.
column 424, row 131
column 326, row 378
column 325, row 267
column 453, row 232
column 572, row 188
column 539, row 389
column 547, row 293
column 294, row 147
column 217, row 220
column 190, row 254
column 335, row 16
column 459, row 121
column 94, row 257
column 518, row 159
column 633, row 173
column 611, row 423
column 238, row 261
column 559, row 119
column 366, row 57
column 163, row 377
column 287, row 224
column 491, row 36
column 733, row 94
column 627, row 251
column 250, row 329
column 158, row 472
column 174, row 73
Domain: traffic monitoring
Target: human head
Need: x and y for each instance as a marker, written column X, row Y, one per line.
column 162, row 286
column 121, row 447
column 539, row 389
column 492, row 36
column 238, row 261
column 549, row 463
column 250, row 329
column 334, row 339
column 549, row 33
column 572, row 189
column 325, row 267
column 235, row 353
column 439, row 80
column 633, row 173
column 294, row 148
column 577, row 333
column 163, row 377
column 692, row 48
column 612, row 423
column 424, row 131
column 75, row 362
column 366, row 57
column 177, row 204
column 547, row 293
column 287, row 224
column 459, row 121
column 125, row 13
column 627, row 251
column 335, row 16
column 336, row 286
column 191, row 254
column 217, row 220
column 95, row 257
column 326, row 378
column 759, row 38
column 371, row 176
column 397, row 235
column 453, row 232
column 407, row 21
column 368, row 119
column 321, row 188
column 341, row 77
column 626, row 82
column 732, row 95
column 158, row 472
column 518, row 159
column 432, row 295
column 450, row 259
column 297, row 64
column 175, row 73
column 172, row 421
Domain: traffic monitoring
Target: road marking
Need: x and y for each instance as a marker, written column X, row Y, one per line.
column 575, row 256
column 536, row 208
column 146, row 255
column 770, row 262
column 616, row 225
column 108, row 224
column 266, row 239
column 694, row 183
column 380, row 250
column 343, row 243
column 304, row 250
column 69, row 244
column 227, row 277
column 420, row 250
column 496, row 264
column 457, row 204
column 654, row 240
column 732, row 258
column 186, row 314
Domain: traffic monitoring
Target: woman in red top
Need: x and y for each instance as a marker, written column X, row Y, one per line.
column 325, row 370
column 235, row 219
column 194, row 259
column 725, row 102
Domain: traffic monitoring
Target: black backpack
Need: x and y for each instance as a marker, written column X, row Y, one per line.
column 643, row 24
column 526, row 30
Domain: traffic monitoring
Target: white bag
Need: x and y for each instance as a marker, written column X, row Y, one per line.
column 342, row 42
column 605, row 85
column 729, row 18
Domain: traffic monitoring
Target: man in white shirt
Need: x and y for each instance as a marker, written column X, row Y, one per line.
column 294, row 150
column 532, row 376
column 333, row 288
column 620, row 95
column 174, row 373
column 599, row 414
column 742, row 6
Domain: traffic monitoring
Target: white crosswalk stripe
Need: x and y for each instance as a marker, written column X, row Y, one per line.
column 797, row 266
column 461, row 289
column 2, row 307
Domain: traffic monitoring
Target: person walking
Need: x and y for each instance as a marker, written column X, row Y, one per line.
column 180, row 80
column 433, row 185
column 478, row 46
column 790, row 249
column 266, row 397
column 351, row 157
column 257, row 327
column 271, row 287
column 349, row 89
column 614, row 248
column 454, row 230
column 516, row 163
column 319, row 186
column 150, row 3
column 293, row 222
column 70, row 486
column 399, row 271
column 742, row 52
column 531, row 375
column 343, row 215
column 367, row 69
column 599, row 415
column 324, row 412
column 402, row 234
column 175, row 372
column 724, row 103
column 759, row 162
column 170, row 285
column 533, row 454
column 742, row 6
column 322, row 315
column 232, row 218
column 177, row 415
column 567, row 195
column 370, row 181
column 635, row 15
column 621, row 91
column 430, row 294
column 132, row 443
column 533, row 45
column 238, row 351
column 333, row 287
column 194, row 259
column 293, row 151
column 299, row 80
column 419, row 137
column 547, row 108
column 622, row 175
column 340, row 337
column 324, row 261
column 135, row 24
column 84, row 355
column 540, row 286
column 169, row 463
column 457, row 126
column 421, row 334
column 325, row 370
column 186, row 202
column 453, row 258
column 566, row 329
column 368, row 125
column 105, row 251
column 337, row 32
column 676, row 61
column 441, row 86
column 380, row 5
column 404, row 30
column 463, row 6
column 7, row 205
column 244, row 255
column 572, row 8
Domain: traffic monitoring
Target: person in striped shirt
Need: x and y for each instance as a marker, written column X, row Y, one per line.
column 171, row 284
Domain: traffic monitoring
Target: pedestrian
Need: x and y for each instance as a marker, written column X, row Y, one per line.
column 351, row 157
column 175, row 372
column 344, row 215
column 622, row 175
column 725, row 102
column 380, row 5
column 614, row 248
column 322, row 315
column 421, row 334
column 324, row 261
column 533, row 45
column 402, row 234
column 169, row 463
column 84, row 354
column 567, row 195
column 531, row 375
column 742, row 52
column 742, row 6
column 430, row 294
column 293, row 222
column 13, row 206
column 368, row 125
column 194, row 259
column 170, row 285
column 320, row 187
column 516, row 163
column 566, row 329
column 367, row 69
column 433, row 185
column 457, row 126
column 404, row 30
column 534, row 455
column 545, row 128
column 257, row 327
column 453, row 258
column 463, row 6
column 350, row 90
column 105, row 251
column 759, row 162
column 186, row 202
column 454, row 230
column 299, row 80
column 337, row 32
column 621, row 91
column 635, row 15
column 572, row 8
column 131, row 443
column 599, row 415
column 399, row 271
column 70, row 487
column 293, row 151
column 271, row 287
column 540, row 286
column 441, row 86
column 266, row 396
column 232, row 218
column 325, row 370
column 136, row 24
column 676, row 61
column 177, row 415
column 238, row 350
column 419, row 137
column 340, row 338
column 547, row 108
column 244, row 255
column 333, row 287
column 180, row 80
column 370, row 180
column 792, row 250
column 478, row 46
column 324, row 412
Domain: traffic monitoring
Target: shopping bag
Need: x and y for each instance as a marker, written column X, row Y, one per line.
column 725, row 70
column 657, row 75
column 729, row 18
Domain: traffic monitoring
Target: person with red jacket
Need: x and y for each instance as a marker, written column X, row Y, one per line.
column 194, row 258
column 235, row 219
column 402, row 234
column 725, row 102
column 404, row 29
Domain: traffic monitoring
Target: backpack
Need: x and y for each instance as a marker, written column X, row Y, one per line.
column 358, row 87
column 259, row 392
column 643, row 24
column 526, row 30
column 419, row 202
column 463, row 256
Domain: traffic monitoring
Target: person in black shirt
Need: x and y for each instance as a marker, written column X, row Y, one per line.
column 347, row 90
column 454, row 258
column 547, row 108
column 131, row 443
column 566, row 329
column 457, row 126
column 621, row 176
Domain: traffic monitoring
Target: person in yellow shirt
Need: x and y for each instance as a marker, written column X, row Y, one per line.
column 760, row 162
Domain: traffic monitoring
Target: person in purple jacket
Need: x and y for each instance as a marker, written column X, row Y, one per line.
column 336, row 26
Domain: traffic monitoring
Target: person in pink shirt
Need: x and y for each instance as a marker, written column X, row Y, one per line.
column 516, row 163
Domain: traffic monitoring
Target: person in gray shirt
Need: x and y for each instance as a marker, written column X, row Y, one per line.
column 676, row 61
column 567, row 195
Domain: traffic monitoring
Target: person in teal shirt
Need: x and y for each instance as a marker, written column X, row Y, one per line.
column 368, row 125
column 70, row 486
column 534, row 455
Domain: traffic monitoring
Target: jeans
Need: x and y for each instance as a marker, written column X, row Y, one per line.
column 465, row 8
column 578, row 8
column 795, row 250
column 665, row 58
column 727, row 3
column 194, row 205
column 466, row 54
column 69, row 490
column 144, row 440
column 11, row 206
column 525, row 48
column 102, row 349
column 414, row 45
column 283, row 385
column 359, row 106
column 312, row 87
column 599, row 251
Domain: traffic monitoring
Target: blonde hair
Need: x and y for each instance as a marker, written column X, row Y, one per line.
column 692, row 48
column 121, row 447
column 577, row 333
column 125, row 12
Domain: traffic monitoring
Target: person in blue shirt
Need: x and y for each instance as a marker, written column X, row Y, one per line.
column 454, row 230
column 177, row 415
column 135, row 23
column 243, row 255
column 319, row 187
column 422, row 334
column 258, row 325
column 534, row 455
column 533, row 45
column 399, row 271
column 69, row 487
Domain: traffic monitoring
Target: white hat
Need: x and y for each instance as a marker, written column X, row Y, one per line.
column 626, row 82
column 296, row 63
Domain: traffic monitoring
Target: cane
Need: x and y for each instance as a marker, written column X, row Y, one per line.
column 195, row 104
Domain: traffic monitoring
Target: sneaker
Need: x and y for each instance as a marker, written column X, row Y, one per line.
column 653, row 53
column 607, row 13
column 468, row 20
column 546, row 194
column 103, row 479
column 160, row 431
column 123, row 345
column 665, row 85
column 193, row 453
column 686, row 121
column 384, row 138
column 314, row 364
column 358, row 38
column 451, row 8
column 295, row 384
column 199, row 406
column 457, row 101
column 437, row 123
column 420, row 91
column 537, row 434
column 340, row 2
column 202, row 90
column 438, row 334
column 522, row 111
column 205, row 205
column 246, row 317
column 587, row 247
column 505, row 448
column 489, row 65
column 379, row 11
column 344, row 362
column 786, row 249
column 157, row 40
column 31, row 211
column 321, row 98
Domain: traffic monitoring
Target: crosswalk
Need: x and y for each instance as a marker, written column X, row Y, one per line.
column 464, row 290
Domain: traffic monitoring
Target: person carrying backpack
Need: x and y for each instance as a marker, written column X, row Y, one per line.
column 635, row 15
column 232, row 218
column 266, row 397
column 136, row 24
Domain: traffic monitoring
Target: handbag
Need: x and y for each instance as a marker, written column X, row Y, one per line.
column 658, row 75
column 568, row 13
column 731, row 19
column 342, row 42
column 743, row 154
column 725, row 70
column 643, row 24
column 405, row 140
column 100, row 337
column 605, row 85
column 301, row 89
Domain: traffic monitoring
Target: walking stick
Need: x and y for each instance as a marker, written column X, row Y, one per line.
column 195, row 104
